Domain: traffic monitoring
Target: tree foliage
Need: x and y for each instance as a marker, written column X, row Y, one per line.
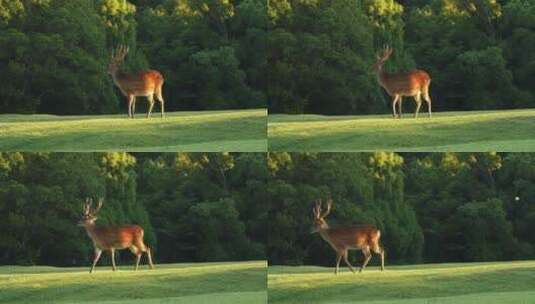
column 436, row 207
column 55, row 53
column 479, row 53
column 193, row 207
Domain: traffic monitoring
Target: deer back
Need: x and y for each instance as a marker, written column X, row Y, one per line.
column 353, row 236
column 116, row 237
column 406, row 83
column 139, row 84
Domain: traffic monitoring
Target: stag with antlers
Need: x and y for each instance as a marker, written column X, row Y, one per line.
column 413, row 83
column 113, row 237
column 365, row 238
column 143, row 83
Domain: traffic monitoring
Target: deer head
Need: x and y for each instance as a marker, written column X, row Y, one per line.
column 89, row 215
column 382, row 57
column 117, row 57
column 319, row 222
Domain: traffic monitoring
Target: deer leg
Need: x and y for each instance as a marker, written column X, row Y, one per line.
column 400, row 103
column 151, row 104
column 160, row 99
column 112, row 254
column 347, row 262
column 98, row 252
column 394, row 101
column 367, row 257
column 428, row 100
column 149, row 256
column 380, row 251
column 138, row 258
column 130, row 101
column 134, row 249
column 134, row 106
column 418, row 104
column 382, row 259
column 338, row 258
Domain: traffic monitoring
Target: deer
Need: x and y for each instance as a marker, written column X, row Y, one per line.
column 113, row 238
column 414, row 83
column 364, row 237
column 143, row 83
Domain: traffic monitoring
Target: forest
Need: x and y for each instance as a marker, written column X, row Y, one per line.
column 193, row 207
column 480, row 54
column 430, row 207
column 54, row 54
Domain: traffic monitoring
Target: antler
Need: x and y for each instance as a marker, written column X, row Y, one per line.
column 100, row 202
column 385, row 54
column 120, row 53
column 329, row 206
column 87, row 206
column 317, row 209
column 89, row 203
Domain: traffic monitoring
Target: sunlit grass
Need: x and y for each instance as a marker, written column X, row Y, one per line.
column 489, row 283
column 507, row 131
column 242, row 282
column 206, row 131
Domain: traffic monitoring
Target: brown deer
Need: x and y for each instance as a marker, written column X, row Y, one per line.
column 413, row 83
column 364, row 238
column 113, row 237
column 143, row 83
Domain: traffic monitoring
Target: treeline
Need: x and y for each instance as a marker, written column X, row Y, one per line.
column 479, row 53
column 193, row 207
column 435, row 207
column 55, row 53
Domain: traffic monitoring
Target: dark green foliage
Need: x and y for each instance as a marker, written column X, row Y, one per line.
column 479, row 53
column 55, row 53
column 320, row 53
column 205, row 207
column 192, row 207
column 53, row 60
column 437, row 207
column 366, row 189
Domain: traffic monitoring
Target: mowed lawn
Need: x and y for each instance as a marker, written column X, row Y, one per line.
column 503, row 131
column 464, row 283
column 241, row 282
column 206, row 131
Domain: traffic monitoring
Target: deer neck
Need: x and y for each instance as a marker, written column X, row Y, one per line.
column 380, row 74
column 90, row 229
column 116, row 75
column 327, row 237
column 324, row 233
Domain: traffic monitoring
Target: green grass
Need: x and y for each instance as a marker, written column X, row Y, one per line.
column 465, row 283
column 504, row 131
column 242, row 282
column 206, row 131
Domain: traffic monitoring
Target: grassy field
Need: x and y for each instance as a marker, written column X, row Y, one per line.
column 242, row 282
column 504, row 131
column 466, row 283
column 206, row 131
